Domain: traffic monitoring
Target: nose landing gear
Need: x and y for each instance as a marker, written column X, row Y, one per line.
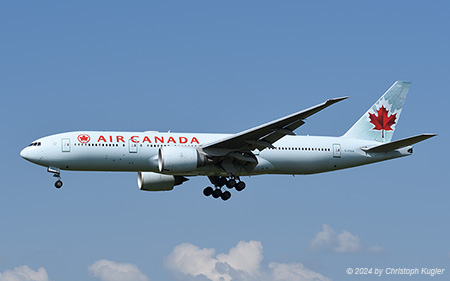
column 57, row 174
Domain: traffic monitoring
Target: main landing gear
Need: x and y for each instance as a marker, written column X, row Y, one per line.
column 57, row 174
column 219, row 182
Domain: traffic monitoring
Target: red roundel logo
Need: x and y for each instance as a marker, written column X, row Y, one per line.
column 83, row 138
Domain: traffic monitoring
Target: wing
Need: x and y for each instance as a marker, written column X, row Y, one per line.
column 265, row 135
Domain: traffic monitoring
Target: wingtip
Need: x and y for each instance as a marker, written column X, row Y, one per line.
column 338, row 99
column 430, row 135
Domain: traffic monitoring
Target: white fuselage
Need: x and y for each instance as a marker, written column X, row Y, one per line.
column 138, row 151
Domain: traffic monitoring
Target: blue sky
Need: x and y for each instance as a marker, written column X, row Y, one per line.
column 210, row 66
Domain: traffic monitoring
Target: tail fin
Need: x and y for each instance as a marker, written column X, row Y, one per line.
column 380, row 121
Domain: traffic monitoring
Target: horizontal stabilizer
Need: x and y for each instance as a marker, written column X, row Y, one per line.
column 399, row 144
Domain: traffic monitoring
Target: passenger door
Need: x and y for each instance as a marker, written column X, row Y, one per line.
column 65, row 145
column 132, row 147
column 336, row 150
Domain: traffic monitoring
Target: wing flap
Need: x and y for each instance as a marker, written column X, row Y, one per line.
column 390, row 146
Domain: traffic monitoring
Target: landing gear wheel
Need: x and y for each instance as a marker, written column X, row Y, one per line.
column 240, row 186
column 231, row 183
column 58, row 184
column 217, row 193
column 208, row 191
column 225, row 195
column 221, row 182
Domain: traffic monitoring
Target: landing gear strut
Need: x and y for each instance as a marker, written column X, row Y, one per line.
column 219, row 182
column 56, row 174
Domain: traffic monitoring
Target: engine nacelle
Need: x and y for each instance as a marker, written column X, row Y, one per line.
column 179, row 159
column 150, row 181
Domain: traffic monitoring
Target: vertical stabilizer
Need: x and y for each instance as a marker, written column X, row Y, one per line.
column 380, row 121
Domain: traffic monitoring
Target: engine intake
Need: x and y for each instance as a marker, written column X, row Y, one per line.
column 179, row 159
column 150, row 181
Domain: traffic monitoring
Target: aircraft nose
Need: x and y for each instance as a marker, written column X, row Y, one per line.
column 24, row 153
column 33, row 152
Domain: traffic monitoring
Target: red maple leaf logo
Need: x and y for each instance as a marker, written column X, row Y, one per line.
column 382, row 122
column 84, row 138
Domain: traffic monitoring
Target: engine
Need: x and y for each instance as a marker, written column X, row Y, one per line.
column 158, row 182
column 179, row 159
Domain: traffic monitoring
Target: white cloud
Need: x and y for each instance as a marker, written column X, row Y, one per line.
column 294, row 272
column 242, row 263
column 246, row 256
column 347, row 243
column 191, row 260
column 107, row 270
column 344, row 242
column 24, row 273
column 324, row 237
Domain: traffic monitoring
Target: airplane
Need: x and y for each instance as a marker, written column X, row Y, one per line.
column 164, row 160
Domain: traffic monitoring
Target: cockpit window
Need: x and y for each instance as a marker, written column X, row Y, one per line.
column 35, row 144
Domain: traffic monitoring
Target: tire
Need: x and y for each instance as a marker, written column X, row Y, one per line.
column 216, row 193
column 58, row 184
column 231, row 183
column 240, row 186
column 221, row 181
column 208, row 191
column 225, row 196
